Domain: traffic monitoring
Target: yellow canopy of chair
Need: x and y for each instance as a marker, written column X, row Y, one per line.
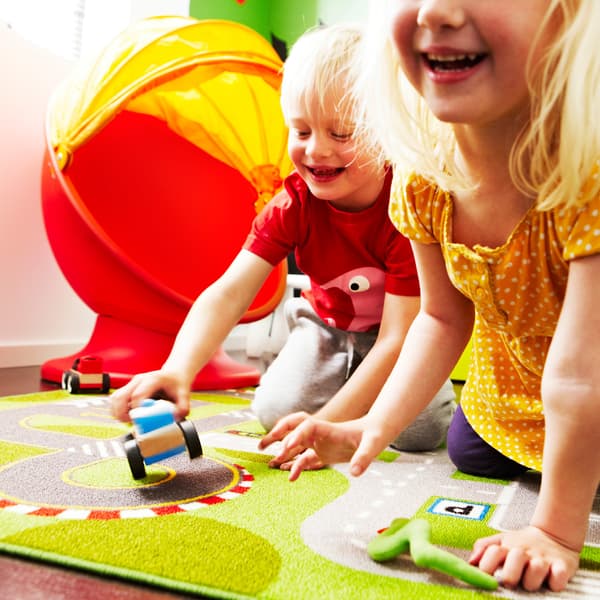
column 214, row 82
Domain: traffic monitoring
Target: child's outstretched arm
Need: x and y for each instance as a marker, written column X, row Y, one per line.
column 357, row 395
column 548, row 550
column 210, row 319
column 433, row 344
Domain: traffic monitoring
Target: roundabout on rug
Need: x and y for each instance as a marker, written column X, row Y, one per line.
column 77, row 463
column 240, row 483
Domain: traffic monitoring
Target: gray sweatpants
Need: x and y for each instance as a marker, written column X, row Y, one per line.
column 317, row 360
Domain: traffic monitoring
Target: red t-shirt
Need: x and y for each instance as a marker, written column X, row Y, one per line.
column 351, row 258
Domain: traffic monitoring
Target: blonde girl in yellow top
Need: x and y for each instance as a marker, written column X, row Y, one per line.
column 496, row 102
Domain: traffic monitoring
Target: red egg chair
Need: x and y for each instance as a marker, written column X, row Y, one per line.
column 158, row 157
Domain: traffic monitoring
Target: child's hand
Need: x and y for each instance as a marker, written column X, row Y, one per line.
column 281, row 429
column 331, row 443
column 287, row 457
column 311, row 462
column 154, row 384
column 528, row 556
column 278, row 433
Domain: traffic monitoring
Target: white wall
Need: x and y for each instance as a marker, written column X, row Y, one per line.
column 41, row 317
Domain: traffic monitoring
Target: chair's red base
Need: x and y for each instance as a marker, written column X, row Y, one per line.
column 127, row 349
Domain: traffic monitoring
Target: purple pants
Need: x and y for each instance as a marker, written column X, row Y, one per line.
column 472, row 455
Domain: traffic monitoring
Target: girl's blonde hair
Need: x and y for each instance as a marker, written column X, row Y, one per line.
column 556, row 157
column 318, row 68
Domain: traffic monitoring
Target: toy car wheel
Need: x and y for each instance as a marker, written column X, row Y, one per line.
column 64, row 380
column 134, row 458
column 105, row 383
column 192, row 441
column 73, row 383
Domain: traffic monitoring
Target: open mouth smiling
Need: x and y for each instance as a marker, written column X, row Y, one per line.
column 452, row 62
column 321, row 172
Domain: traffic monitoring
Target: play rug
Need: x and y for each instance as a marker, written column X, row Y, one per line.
column 227, row 526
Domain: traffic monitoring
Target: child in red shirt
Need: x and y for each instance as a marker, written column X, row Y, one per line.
column 348, row 329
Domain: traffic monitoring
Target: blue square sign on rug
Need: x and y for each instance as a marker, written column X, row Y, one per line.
column 457, row 508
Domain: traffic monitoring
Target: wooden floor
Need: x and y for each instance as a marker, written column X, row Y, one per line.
column 27, row 580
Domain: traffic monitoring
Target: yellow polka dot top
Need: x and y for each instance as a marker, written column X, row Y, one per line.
column 517, row 290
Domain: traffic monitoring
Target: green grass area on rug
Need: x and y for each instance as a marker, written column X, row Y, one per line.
column 226, row 525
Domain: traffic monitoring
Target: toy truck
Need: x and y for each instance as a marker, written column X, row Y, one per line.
column 86, row 375
column 156, row 436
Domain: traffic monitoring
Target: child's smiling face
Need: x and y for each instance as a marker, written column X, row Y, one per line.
column 467, row 58
column 326, row 155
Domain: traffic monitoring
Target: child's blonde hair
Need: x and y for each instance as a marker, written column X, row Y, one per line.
column 556, row 157
column 319, row 68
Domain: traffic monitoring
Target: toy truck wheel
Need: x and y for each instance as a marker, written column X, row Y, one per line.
column 192, row 441
column 134, row 458
column 105, row 383
column 73, row 383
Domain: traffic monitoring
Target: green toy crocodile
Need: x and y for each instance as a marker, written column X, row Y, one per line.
column 404, row 535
